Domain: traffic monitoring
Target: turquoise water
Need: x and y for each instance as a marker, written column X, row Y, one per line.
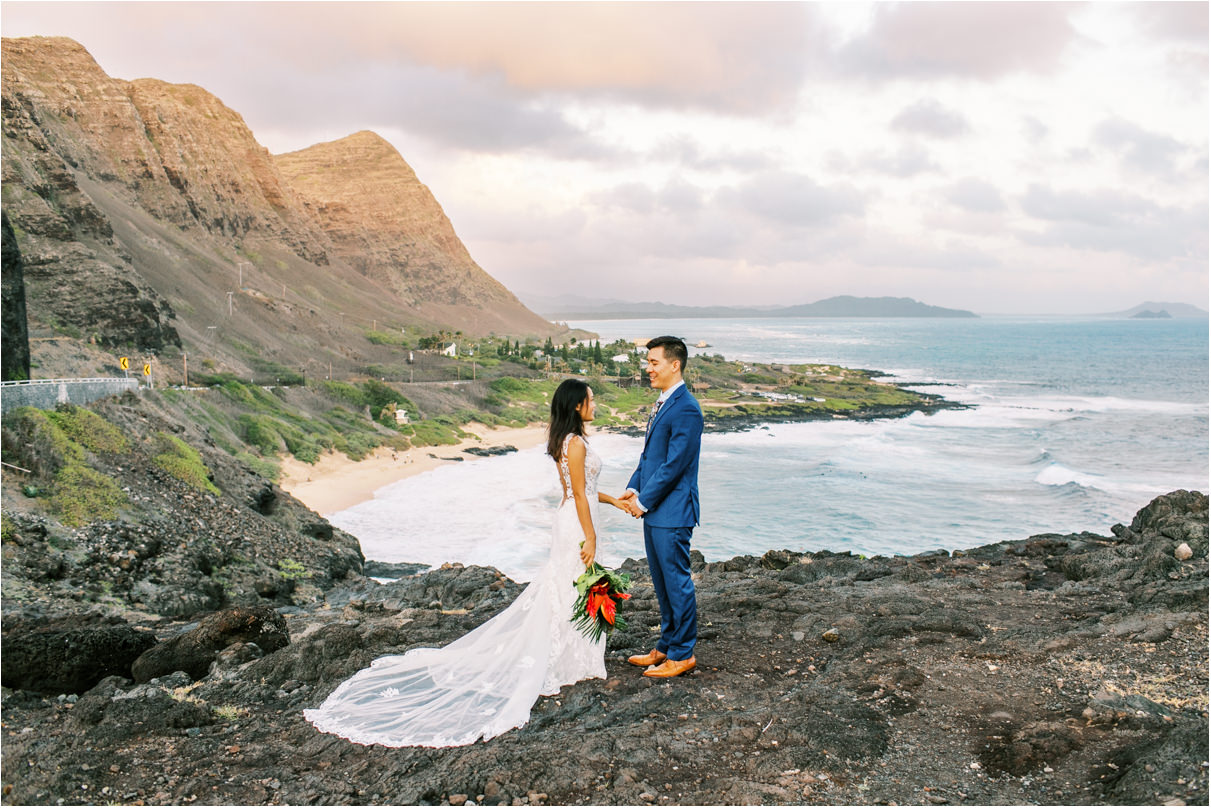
column 1076, row 423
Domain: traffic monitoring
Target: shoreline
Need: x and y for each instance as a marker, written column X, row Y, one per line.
column 335, row 483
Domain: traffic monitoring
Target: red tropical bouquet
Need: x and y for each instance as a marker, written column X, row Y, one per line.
column 599, row 592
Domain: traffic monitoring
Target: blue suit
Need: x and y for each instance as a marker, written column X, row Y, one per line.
column 667, row 483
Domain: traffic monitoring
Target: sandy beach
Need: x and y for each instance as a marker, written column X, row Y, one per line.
column 335, row 482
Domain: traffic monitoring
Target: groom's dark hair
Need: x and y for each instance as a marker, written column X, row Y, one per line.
column 674, row 348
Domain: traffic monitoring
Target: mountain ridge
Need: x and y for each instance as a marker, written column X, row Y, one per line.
column 1175, row 310
column 414, row 249
column 837, row 306
column 151, row 219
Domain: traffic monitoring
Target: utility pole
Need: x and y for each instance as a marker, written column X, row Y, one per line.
column 229, row 309
column 185, row 363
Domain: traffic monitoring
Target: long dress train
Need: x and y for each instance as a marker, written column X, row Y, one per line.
column 485, row 682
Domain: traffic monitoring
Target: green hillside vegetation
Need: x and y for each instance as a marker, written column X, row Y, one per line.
column 55, row 447
column 182, row 461
column 494, row 382
column 735, row 391
column 498, row 382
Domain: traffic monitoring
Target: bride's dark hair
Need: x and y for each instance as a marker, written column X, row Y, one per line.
column 570, row 394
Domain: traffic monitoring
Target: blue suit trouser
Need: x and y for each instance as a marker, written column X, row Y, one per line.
column 668, row 551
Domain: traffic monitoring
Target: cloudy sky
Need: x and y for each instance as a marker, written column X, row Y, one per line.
column 1002, row 157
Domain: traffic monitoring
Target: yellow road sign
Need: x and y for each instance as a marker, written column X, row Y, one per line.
column 146, row 369
column 124, row 363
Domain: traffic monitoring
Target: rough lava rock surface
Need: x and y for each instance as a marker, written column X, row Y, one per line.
column 1059, row 669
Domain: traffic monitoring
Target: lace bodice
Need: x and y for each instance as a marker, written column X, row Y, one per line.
column 592, row 470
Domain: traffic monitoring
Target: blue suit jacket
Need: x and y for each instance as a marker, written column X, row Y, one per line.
column 667, row 476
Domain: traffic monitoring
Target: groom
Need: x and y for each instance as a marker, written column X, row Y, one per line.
column 664, row 491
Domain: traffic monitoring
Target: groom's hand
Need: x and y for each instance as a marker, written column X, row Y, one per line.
column 629, row 502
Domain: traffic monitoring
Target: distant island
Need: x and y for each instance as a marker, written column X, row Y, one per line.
column 1152, row 310
column 840, row 306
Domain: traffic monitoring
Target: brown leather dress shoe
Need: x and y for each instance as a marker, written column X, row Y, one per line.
column 671, row 667
column 654, row 657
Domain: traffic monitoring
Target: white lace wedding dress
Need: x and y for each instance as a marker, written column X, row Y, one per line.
column 485, row 682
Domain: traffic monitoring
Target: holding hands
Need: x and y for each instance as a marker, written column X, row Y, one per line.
column 629, row 502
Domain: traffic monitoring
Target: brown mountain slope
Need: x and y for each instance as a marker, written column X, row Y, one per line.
column 386, row 224
column 150, row 218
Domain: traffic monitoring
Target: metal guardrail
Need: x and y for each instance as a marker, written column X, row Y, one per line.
column 78, row 380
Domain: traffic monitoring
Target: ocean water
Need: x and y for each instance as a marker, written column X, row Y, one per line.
column 1075, row 424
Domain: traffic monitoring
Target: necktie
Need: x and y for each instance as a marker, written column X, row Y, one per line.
column 655, row 409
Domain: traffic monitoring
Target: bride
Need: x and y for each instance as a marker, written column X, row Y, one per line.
column 485, row 682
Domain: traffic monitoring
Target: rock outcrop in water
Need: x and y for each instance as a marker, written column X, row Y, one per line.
column 1059, row 669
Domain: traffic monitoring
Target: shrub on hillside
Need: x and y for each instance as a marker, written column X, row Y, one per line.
column 261, row 432
column 182, row 461
column 88, row 429
column 82, row 495
column 76, row 493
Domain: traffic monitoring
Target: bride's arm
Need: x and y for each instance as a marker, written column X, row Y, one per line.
column 576, row 455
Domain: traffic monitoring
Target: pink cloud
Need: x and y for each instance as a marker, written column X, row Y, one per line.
column 734, row 57
column 1182, row 21
column 977, row 40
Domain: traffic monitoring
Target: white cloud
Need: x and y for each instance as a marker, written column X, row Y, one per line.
column 908, row 161
column 1140, row 149
column 1111, row 220
column 965, row 40
column 975, row 195
column 991, row 156
column 792, row 200
column 928, row 117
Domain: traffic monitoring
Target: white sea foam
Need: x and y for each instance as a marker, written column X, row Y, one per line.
column 494, row 512
column 1096, row 404
column 1057, row 474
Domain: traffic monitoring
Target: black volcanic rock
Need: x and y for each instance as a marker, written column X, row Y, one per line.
column 69, row 660
column 195, row 650
column 176, row 551
column 490, row 451
column 383, row 569
column 15, row 330
column 1058, row 669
